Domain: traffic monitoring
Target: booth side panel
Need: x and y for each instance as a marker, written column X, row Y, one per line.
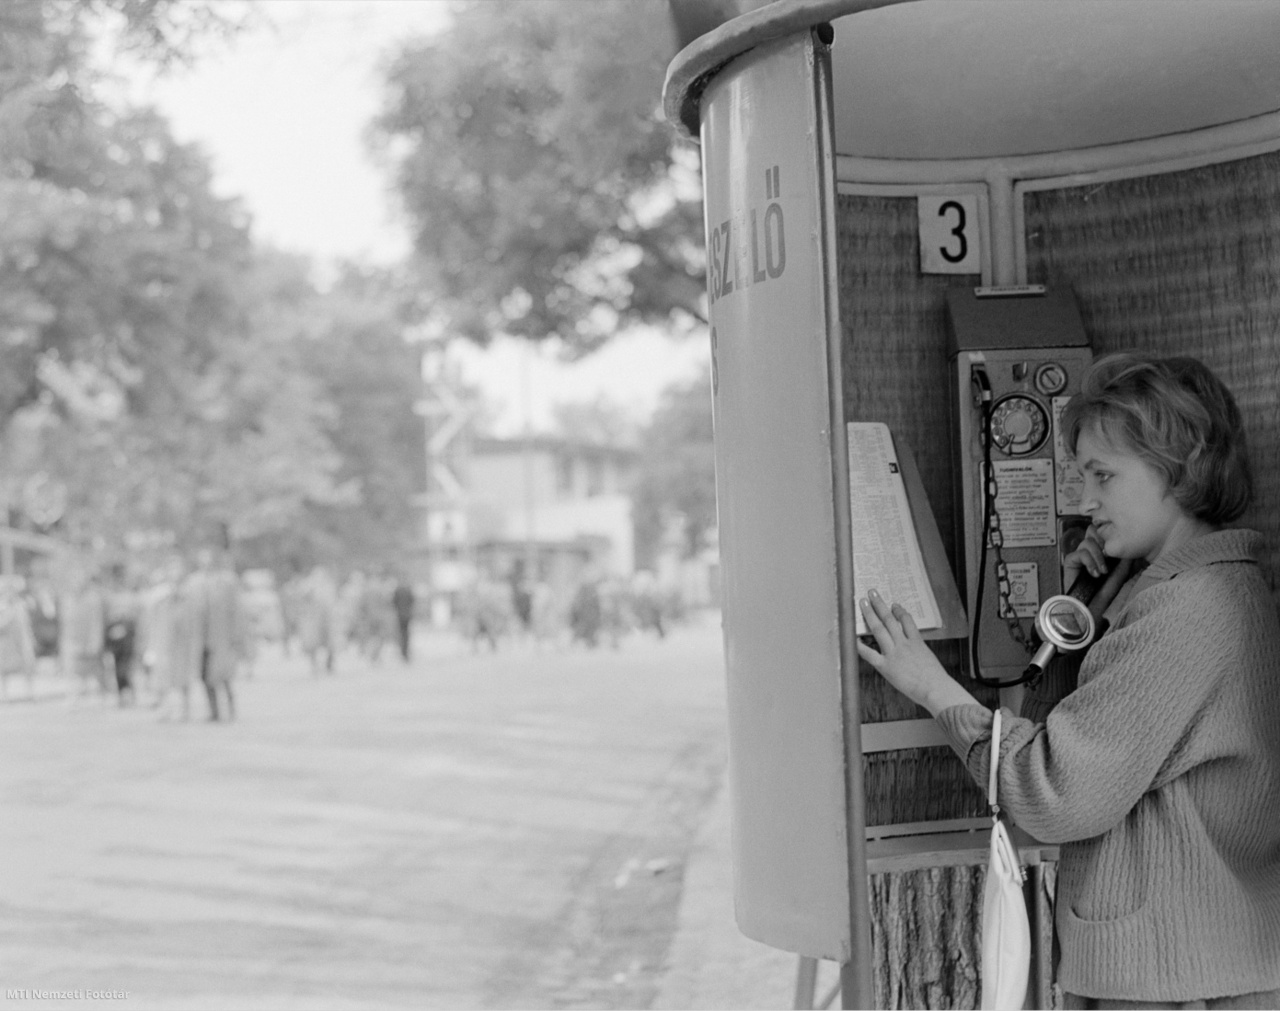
column 1182, row 263
column 767, row 275
column 895, row 371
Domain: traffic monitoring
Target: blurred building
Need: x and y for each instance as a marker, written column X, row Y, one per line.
column 554, row 507
column 535, row 507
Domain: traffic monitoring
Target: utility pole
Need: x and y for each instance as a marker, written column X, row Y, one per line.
column 445, row 412
column 526, row 454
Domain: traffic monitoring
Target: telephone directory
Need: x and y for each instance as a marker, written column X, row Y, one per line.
column 886, row 547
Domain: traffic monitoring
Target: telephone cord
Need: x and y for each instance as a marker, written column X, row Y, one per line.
column 1032, row 674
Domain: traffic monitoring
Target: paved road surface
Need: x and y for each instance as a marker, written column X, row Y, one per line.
column 469, row 831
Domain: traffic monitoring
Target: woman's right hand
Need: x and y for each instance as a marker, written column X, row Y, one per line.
column 1089, row 557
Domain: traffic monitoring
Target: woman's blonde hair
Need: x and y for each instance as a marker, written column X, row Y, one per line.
column 1179, row 417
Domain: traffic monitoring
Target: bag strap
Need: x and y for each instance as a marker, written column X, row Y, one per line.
column 995, row 765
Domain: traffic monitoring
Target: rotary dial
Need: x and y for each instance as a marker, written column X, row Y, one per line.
column 1019, row 425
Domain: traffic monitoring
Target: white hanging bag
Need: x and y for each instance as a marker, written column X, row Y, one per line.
column 1006, row 934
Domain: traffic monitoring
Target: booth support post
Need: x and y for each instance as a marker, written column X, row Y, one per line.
column 856, row 990
column 1004, row 259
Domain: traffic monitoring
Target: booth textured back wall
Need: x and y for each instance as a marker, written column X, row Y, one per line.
column 1183, row 263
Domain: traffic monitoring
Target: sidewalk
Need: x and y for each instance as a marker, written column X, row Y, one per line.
column 711, row 965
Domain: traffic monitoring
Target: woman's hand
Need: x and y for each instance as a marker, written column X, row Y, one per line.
column 1089, row 557
column 904, row 660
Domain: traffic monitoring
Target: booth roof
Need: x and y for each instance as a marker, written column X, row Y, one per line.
column 944, row 79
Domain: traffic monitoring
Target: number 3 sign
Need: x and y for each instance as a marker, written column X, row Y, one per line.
column 950, row 240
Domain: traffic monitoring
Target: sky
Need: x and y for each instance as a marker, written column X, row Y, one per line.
column 281, row 111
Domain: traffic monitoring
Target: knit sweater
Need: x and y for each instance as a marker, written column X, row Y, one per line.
column 1160, row 777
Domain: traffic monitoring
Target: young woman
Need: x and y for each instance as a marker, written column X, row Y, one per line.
column 1159, row 774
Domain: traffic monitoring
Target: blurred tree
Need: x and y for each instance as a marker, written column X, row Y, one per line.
column 676, row 478
column 121, row 261
column 163, row 33
column 602, row 421
column 548, row 195
column 363, row 366
column 261, row 421
column 113, row 248
column 173, row 378
column 239, row 438
column 142, row 363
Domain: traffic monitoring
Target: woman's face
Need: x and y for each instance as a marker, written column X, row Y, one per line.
column 1127, row 499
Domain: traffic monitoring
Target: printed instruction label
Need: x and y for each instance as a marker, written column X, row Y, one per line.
column 1068, row 477
column 1024, row 589
column 886, row 549
column 1025, row 502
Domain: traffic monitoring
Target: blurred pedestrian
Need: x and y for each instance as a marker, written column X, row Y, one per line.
column 615, row 610
column 350, row 595
column 402, row 602
column 379, row 621
column 166, row 634
column 264, row 619
column 43, row 610
column 648, row 603
column 84, row 636
column 492, row 613
column 17, row 643
column 290, row 609
column 546, row 614
column 121, row 608
column 317, row 602
column 521, row 596
column 586, row 613
column 365, row 609
column 220, row 629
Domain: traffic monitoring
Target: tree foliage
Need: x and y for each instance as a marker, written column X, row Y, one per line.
column 370, row 376
column 600, row 420
column 676, row 480
column 547, row 195
column 174, row 378
column 114, row 250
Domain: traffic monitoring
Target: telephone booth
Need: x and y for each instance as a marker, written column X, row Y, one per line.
column 863, row 162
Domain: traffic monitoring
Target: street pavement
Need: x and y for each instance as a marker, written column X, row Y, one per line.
column 531, row 828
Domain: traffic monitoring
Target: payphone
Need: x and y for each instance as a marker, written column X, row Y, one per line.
column 1017, row 355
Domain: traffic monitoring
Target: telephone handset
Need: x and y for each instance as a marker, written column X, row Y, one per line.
column 1064, row 622
column 1017, row 355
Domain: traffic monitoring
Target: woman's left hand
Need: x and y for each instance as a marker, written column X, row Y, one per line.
column 904, row 660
